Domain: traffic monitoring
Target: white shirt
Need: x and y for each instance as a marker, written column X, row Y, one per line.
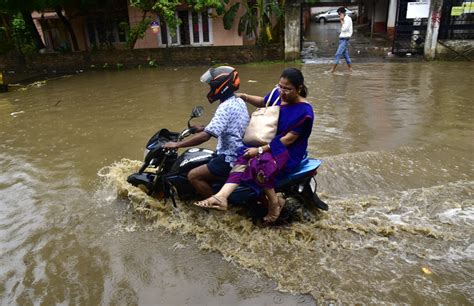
column 346, row 29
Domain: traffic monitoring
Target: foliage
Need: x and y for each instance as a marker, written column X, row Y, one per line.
column 166, row 10
column 229, row 16
column 257, row 20
column 248, row 23
column 135, row 32
column 21, row 35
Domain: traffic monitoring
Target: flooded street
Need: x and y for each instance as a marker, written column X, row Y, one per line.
column 397, row 144
column 322, row 39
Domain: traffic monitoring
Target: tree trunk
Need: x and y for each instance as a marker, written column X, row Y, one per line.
column 59, row 11
column 33, row 30
column 6, row 25
column 135, row 37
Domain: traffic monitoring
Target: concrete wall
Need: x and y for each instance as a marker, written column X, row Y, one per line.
column 292, row 31
column 455, row 50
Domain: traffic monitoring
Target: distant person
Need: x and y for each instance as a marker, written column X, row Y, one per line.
column 228, row 126
column 346, row 33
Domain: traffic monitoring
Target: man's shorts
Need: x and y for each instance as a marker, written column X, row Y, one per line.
column 219, row 167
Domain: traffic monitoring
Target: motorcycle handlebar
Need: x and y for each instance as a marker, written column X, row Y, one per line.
column 182, row 135
column 186, row 133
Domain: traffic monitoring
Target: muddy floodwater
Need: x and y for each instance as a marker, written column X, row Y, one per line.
column 397, row 143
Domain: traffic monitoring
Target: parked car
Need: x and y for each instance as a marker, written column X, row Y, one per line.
column 332, row 15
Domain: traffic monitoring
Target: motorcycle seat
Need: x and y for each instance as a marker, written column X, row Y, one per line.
column 306, row 165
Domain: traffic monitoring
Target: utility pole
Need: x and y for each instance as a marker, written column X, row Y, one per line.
column 432, row 29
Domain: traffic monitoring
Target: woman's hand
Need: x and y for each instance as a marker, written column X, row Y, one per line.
column 251, row 152
column 256, row 101
column 243, row 96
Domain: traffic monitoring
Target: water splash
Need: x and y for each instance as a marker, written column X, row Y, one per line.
column 369, row 240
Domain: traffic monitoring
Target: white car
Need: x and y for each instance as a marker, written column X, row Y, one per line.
column 332, row 15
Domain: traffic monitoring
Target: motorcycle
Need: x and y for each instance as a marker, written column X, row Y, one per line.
column 163, row 175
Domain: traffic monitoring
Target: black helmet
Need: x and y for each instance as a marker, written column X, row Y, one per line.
column 223, row 80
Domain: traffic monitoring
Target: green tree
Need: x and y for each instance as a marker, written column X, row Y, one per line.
column 25, row 8
column 257, row 19
column 166, row 9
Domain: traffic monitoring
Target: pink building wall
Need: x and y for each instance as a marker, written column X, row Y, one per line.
column 151, row 39
column 36, row 16
column 79, row 27
column 77, row 23
column 220, row 36
column 223, row 37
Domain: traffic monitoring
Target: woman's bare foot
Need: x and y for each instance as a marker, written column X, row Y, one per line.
column 274, row 210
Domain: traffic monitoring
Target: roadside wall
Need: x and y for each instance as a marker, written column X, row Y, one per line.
column 179, row 56
column 455, row 50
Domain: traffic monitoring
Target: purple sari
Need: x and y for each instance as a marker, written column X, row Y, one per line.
column 261, row 171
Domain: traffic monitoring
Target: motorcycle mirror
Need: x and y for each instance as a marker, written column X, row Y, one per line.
column 197, row 112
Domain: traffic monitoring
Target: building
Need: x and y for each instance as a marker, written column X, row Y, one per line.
column 103, row 28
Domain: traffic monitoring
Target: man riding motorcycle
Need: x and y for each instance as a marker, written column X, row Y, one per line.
column 228, row 126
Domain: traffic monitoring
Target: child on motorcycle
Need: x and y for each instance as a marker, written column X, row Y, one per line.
column 228, row 126
column 287, row 149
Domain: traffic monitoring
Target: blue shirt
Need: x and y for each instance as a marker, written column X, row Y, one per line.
column 228, row 126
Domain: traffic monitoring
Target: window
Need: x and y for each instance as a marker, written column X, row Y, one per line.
column 195, row 29
column 102, row 33
column 200, row 27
